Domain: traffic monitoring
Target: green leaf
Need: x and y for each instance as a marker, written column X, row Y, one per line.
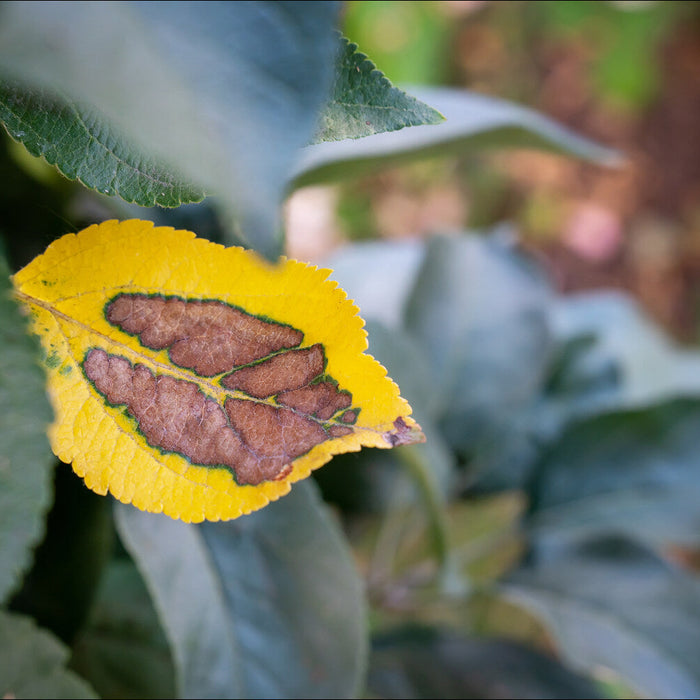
column 611, row 604
column 651, row 366
column 424, row 662
column 223, row 93
column 25, row 457
column 378, row 276
column 84, row 146
column 32, row 663
column 478, row 310
column 634, row 472
column 268, row 605
column 375, row 479
column 59, row 588
column 472, row 121
column 364, row 102
column 122, row 651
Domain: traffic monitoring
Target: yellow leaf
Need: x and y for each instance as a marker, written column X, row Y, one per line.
column 197, row 380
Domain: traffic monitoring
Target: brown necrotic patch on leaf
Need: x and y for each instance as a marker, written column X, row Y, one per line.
column 257, row 441
column 321, row 400
column 289, row 370
column 209, row 337
column 349, row 417
column 403, row 434
column 339, row 430
column 279, row 436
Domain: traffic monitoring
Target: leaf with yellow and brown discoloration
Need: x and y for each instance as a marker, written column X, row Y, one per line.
column 199, row 380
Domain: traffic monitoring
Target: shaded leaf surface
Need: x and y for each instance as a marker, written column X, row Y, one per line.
column 266, row 606
column 472, row 121
column 33, row 663
column 634, row 471
column 25, row 457
column 224, row 93
column 612, row 604
column 84, row 146
column 122, row 651
column 431, row 662
column 364, row 102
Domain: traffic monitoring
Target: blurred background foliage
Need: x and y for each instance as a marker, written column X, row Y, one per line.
column 569, row 512
column 624, row 73
column 545, row 541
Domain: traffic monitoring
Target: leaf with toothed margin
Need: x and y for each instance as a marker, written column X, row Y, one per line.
column 197, row 380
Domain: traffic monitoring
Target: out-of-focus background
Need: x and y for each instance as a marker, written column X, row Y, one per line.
column 626, row 74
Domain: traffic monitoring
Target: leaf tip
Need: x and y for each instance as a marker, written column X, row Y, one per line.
column 404, row 433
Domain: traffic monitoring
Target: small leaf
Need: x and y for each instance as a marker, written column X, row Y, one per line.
column 611, row 604
column 32, row 663
column 472, row 121
column 25, row 458
column 364, row 102
column 84, row 146
column 197, row 380
column 267, row 606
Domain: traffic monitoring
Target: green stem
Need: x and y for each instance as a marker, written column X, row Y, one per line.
column 413, row 459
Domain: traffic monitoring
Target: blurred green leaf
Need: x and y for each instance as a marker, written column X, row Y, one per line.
column 84, row 146
column 364, row 102
column 375, row 479
column 268, row 605
column 635, row 472
column 423, row 662
column 611, row 604
column 651, row 367
column 378, row 276
column 472, row 121
column 32, row 663
column 223, row 93
column 479, row 312
column 25, row 457
column 122, row 651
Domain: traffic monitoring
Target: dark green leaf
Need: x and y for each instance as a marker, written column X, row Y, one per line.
column 364, row 102
column 634, row 471
column 84, row 146
column 32, row 663
column 612, row 605
column 268, row 605
column 225, row 93
column 427, row 663
column 25, row 457
column 472, row 121
column 123, row 652
column 59, row 588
